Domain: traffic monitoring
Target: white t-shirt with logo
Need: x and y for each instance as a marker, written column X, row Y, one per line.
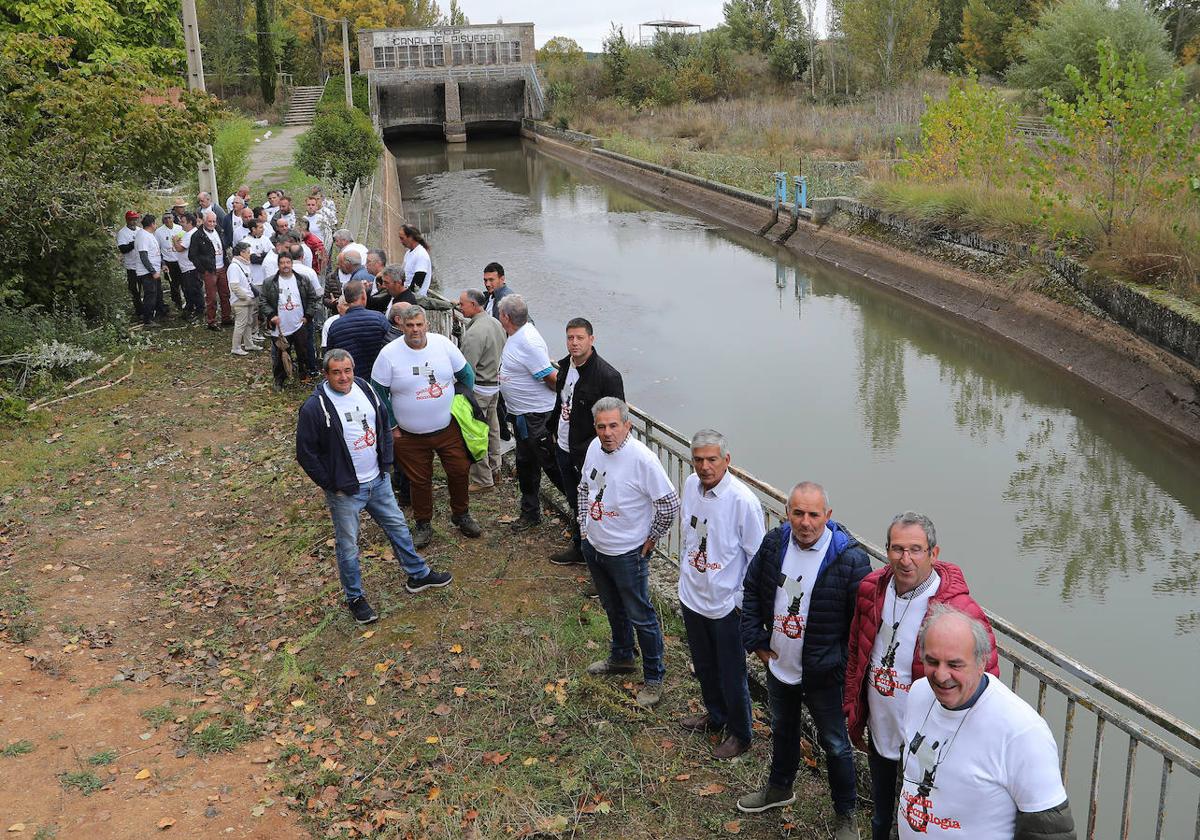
column 164, row 235
column 418, row 260
column 239, row 277
column 622, row 487
column 888, row 683
column 722, row 529
column 525, row 355
column 308, row 274
column 291, row 306
column 564, row 417
column 130, row 259
column 421, row 382
column 316, row 225
column 357, row 414
column 259, row 246
column 184, row 238
column 793, row 597
column 215, row 238
column 144, row 240
column 1002, row 760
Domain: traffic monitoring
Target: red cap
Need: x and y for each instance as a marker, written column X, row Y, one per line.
column 131, row 215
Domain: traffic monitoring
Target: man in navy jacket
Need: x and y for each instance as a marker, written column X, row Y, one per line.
column 361, row 332
column 797, row 603
column 344, row 444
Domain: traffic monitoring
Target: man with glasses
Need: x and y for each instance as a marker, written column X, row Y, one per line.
column 884, row 661
column 978, row 761
column 797, row 603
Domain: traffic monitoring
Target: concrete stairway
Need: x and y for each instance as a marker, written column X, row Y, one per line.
column 302, row 106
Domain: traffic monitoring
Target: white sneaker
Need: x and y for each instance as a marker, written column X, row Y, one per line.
column 239, row 352
column 252, row 348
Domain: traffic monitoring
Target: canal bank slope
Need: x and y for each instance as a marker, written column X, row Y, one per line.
column 1125, row 368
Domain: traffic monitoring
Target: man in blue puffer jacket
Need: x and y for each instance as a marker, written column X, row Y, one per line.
column 361, row 332
column 344, row 443
column 798, row 601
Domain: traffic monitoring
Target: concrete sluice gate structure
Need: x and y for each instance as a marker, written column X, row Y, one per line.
column 451, row 80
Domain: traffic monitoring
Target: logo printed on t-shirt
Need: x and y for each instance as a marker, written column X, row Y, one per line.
column 918, row 807
column 698, row 559
column 568, row 394
column 434, row 390
column 792, row 624
column 883, row 677
column 596, row 509
column 357, row 417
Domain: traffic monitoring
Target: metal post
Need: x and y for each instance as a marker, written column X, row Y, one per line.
column 346, row 61
column 781, row 189
column 207, row 178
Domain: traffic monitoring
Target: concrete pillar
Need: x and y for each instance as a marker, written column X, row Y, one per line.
column 454, row 127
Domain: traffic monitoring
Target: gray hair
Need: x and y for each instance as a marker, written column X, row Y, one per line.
column 912, row 518
column 406, row 312
column 980, row 640
column 604, row 403
column 378, row 254
column 208, row 213
column 395, row 271
column 515, row 308
column 352, row 257
column 203, row 194
column 343, row 233
column 476, row 297
column 810, row 487
column 710, row 437
column 337, row 354
column 354, row 290
column 241, row 248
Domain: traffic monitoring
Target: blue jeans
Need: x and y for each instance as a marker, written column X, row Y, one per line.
column 380, row 502
column 624, row 586
column 720, row 663
column 883, row 791
column 822, row 694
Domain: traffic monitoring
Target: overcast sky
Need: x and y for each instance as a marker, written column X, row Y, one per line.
column 588, row 23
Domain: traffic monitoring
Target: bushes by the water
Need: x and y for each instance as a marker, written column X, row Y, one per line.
column 335, row 92
column 341, row 146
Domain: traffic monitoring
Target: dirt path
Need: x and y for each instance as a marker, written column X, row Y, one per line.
column 271, row 160
column 173, row 646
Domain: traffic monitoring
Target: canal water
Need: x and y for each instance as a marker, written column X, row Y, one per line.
column 1073, row 517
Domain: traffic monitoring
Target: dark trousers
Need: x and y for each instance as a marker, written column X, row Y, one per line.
column 216, row 290
column 883, row 791
column 570, row 476
column 175, row 276
column 193, row 292
column 720, row 663
column 535, row 455
column 152, row 302
column 623, row 583
column 302, row 352
column 134, row 284
column 822, row 694
column 415, row 454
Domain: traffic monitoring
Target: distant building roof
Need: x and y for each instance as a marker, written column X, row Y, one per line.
column 680, row 24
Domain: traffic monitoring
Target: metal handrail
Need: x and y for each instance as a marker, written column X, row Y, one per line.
column 1023, row 650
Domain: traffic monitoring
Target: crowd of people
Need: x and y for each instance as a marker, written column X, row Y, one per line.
column 900, row 661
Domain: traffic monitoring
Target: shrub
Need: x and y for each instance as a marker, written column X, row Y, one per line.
column 1067, row 34
column 341, row 145
column 231, row 152
column 335, row 93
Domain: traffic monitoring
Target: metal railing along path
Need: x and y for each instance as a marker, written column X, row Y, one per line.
column 1148, row 727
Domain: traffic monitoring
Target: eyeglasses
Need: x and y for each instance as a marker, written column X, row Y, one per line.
column 916, row 552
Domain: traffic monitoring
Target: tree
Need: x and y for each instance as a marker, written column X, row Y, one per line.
column 615, row 58
column 774, row 28
column 362, row 14
column 944, row 48
column 224, row 39
column 993, row 31
column 266, row 51
column 341, row 145
column 1126, row 137
column 1067, row 35
column 890, row 38
column 455, row 17
column 561, row 49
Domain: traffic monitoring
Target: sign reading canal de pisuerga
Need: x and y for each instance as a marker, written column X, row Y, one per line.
column 451, row 46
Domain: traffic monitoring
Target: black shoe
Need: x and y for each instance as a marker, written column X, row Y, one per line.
column 362, row 611
column 524, row 523
column 214, row 328
column 422, row 533
column 570, row 556
column 431, row 580
column 467, row 524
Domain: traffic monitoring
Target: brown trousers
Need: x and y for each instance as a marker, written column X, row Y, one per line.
column 414, row 454
column 216, row 291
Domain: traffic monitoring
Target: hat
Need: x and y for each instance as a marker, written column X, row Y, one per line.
column 179, row 202
column 131, row 215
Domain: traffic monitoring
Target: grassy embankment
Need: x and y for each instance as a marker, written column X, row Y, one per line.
column 463, row 713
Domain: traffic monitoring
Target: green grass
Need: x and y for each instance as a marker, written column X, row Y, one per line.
column 84, row 781
column 156, row 716
column 221, row 732
column 102, row 758
column 16, row 748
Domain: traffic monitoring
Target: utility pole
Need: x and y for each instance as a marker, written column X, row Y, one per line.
column 346, row 61
column 195, row 62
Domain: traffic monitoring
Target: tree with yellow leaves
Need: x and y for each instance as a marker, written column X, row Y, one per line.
column 317, row 22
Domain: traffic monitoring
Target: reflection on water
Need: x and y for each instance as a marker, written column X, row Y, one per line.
column 1070, row 517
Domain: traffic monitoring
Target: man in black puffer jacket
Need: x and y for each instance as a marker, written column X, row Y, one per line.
column 798, row 600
